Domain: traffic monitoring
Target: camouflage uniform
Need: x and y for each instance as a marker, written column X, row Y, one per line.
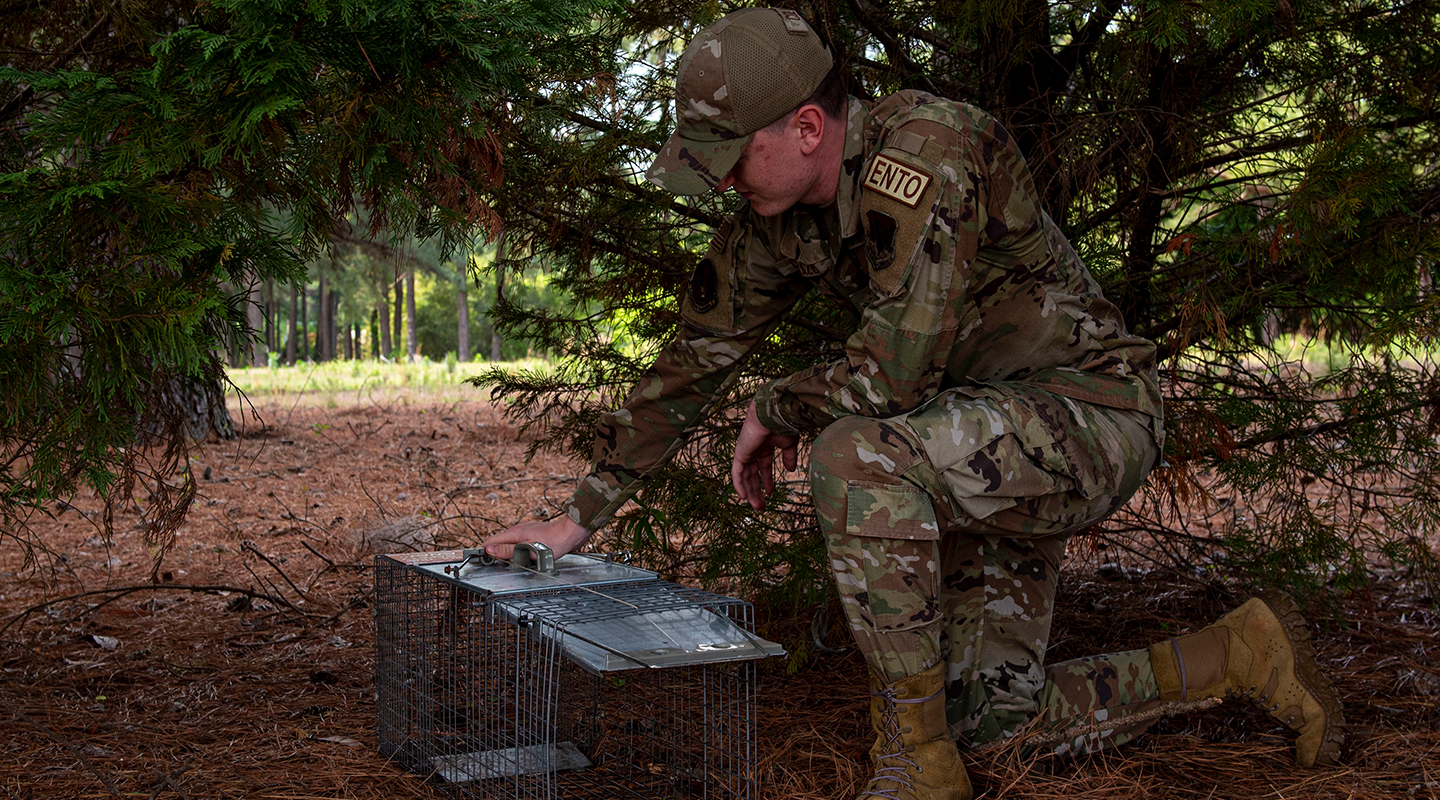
column 990, row 403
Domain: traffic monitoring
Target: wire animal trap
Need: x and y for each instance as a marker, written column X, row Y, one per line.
column 569, row 677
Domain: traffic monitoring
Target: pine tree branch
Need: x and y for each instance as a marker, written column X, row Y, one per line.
column 875, row 21
column 23, row 98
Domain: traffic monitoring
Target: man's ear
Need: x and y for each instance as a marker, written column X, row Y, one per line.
column 809, row 123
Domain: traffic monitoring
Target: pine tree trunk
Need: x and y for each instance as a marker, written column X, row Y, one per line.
column 202, row 403
column 290, row 338
column 412, row 343
column 386, row 346
column 323, row 349
column 335, row 323
column 375, row 334
column 399, row 311
column 271, row 334
column 304, row 323
column 462, row 307
column 255, row 312
column 497, row 344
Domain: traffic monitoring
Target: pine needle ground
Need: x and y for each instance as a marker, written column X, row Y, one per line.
column 248, row 672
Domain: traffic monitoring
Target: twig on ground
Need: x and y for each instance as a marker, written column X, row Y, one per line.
column 76, row 751
column 162, row 780
column 122, row 591
column 249, row 545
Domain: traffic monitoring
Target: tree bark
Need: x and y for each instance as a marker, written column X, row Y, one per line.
column 323, row 344
column 335, row 323
column 386, row 345
column 412, row 343
column 399, row 310
column 462, row 307
column 304, row 323
column 497, row 344
column 255, row 312
column 375, row 334
column 290, row 338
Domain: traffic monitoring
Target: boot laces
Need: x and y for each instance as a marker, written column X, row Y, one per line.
column 892, row 764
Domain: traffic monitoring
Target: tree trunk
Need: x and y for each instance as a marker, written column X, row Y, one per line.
column 412, row 343
column 272, row 333
column 256, row 314
column 399, row 311
column 304, row 323
column 202, row 404
column 497, row 344
column 323, row 345
column 335, row 323
column 375, row 334
column 386, row 346
column 462, row 307
column 290, row 339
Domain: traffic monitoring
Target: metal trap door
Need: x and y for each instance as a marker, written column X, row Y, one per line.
column 651, row 624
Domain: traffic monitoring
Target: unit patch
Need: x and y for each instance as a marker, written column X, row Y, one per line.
column 896, row 180
column 704, row 286
column 879, row 239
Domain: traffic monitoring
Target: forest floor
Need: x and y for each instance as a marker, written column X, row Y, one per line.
column 247, row 669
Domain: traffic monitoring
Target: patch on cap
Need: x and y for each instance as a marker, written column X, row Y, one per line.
column 896, row 180
column 794, row 23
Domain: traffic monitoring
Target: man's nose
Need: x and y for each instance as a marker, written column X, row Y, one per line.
column 726, row 182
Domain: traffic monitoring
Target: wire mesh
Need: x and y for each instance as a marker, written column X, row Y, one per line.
column 476, row 694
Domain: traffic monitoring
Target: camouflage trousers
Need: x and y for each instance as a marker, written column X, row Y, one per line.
column 946, row 528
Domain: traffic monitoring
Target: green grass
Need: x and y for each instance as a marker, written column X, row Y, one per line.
column 334, row 384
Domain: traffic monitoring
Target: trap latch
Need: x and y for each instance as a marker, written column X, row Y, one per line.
column 532, row 556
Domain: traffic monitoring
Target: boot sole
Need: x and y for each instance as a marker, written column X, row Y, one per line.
column 1307, row 669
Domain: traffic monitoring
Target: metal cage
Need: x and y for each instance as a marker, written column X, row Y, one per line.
column 594, row 680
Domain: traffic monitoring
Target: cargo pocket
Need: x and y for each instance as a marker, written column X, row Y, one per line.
column 892, row 537
column 997, row 445
column 1075, row 445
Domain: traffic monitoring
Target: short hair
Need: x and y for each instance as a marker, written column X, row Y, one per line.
column 830, row 96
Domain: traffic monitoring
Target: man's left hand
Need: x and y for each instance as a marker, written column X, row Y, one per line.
column 753, row 469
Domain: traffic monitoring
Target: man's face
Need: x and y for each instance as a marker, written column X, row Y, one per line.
column 772, row 173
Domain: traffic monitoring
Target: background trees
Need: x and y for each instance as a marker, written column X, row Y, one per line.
column 1241, row 176
column 1236, row 174
column 159, row 161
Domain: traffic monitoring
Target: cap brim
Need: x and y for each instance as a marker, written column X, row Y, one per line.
column 689, row 167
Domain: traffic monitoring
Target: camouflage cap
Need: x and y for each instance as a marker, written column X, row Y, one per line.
column 742, row 73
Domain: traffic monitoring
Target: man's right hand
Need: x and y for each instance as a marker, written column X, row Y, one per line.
column 561, row 535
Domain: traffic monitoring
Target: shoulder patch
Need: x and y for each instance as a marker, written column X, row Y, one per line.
column 708, row 301
column 896, row 180
column 896, row 213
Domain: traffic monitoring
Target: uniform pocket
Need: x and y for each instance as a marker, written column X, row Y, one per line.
column 891, row 546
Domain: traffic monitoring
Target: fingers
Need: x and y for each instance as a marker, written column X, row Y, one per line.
column 502, row 545
column 767, row 469
column 790, row 454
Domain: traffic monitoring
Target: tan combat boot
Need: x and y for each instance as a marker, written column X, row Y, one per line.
column 1260, row 651
column 914, row 756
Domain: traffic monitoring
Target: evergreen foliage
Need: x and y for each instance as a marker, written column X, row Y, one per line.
column 1233, row 172
column 159, row 158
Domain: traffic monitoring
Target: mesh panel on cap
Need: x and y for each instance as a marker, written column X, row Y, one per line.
column 769, row 71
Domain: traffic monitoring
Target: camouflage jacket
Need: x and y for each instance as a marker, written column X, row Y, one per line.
column 960, row 278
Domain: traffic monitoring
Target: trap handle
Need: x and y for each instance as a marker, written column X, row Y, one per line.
column 535, row 557
column 531, row 556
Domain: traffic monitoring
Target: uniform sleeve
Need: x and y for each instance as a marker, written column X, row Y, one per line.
column 732, row 301
column 898, row 357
